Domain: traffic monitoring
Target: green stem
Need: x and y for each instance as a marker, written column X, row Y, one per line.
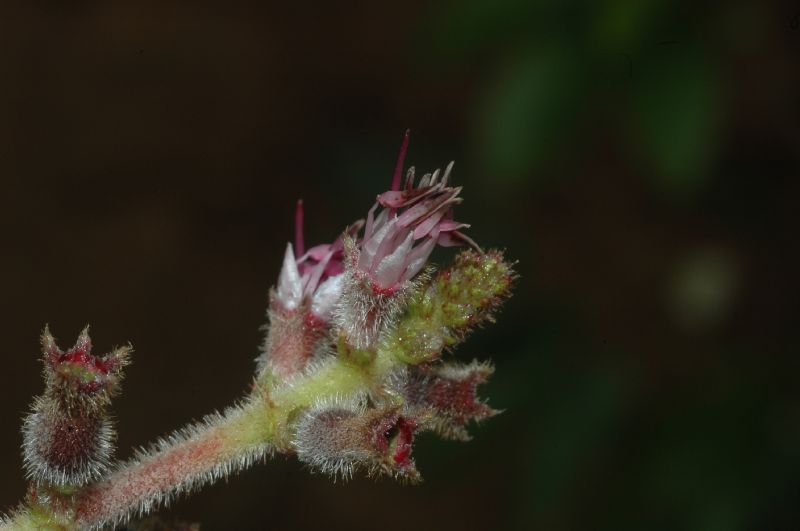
column 202, row 453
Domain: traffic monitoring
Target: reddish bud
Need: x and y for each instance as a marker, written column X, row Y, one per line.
column 68, row 438
column 448, row 394
column 346, row 436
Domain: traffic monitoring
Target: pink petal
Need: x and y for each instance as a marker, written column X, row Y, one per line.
column 390, row 242
column 427, row 207
column 424, row 228
column 408, row 198
column 450, row 225
column 315, row 254
column 455, row 238
column 370, row 222
column 316, row 275
column 370, row 245
column 392, row 198
column 418, row 257
column 325, row 298
column 335, row 267
column 390, row 269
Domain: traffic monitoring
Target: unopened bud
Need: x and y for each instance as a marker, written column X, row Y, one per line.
column 68, row 437
column 446, row 396
column 458, row 299
column 346, row 436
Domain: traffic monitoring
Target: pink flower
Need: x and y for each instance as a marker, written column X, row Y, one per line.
column 398, row 241
column 312, row 279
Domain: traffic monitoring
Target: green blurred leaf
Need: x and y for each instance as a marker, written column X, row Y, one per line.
column 676, row 115
column 527, row 114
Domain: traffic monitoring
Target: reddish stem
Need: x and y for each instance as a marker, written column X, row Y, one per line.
column 143, row 483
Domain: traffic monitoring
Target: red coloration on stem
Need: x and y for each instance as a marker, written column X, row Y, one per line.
column 299, row 244
column 140, row 483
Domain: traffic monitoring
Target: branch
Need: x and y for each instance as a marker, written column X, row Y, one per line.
column 351, row 371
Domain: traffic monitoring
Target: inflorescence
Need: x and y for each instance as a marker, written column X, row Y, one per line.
column 351, row 371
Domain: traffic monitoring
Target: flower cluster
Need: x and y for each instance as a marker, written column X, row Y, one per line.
column 359, row 291
column 352, row 370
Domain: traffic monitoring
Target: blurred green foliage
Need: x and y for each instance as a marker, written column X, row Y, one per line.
column 615, row 113
column 559, row 71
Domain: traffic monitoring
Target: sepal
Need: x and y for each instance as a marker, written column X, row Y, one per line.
column 343, row 436
column 446, row 396
column 68, row 437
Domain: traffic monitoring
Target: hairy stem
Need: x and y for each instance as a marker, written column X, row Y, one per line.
column 201, row 453
column 197, row 455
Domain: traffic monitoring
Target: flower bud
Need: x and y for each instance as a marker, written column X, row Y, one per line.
column 446, row 396
column 302, row 305
column 458, row 299
column 68, row 437
column 345, row 436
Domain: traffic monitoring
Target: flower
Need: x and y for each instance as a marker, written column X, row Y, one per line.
column 301, row 307
column 359, row 285
column 312, row 279
column 395, row 247
column 399, row 240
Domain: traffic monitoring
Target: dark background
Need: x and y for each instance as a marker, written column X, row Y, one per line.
column 639, row 158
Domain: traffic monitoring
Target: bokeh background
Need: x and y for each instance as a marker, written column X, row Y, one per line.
column 639, row 158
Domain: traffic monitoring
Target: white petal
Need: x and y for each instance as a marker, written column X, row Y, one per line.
column 370, row 246
column 391, row 268
column 326, row 297
column 290, row 287
column 370, row 220
column 418, row 257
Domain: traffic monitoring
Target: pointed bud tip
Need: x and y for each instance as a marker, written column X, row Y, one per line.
column 84, row 342
column 47, row 341
column 77, row 369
